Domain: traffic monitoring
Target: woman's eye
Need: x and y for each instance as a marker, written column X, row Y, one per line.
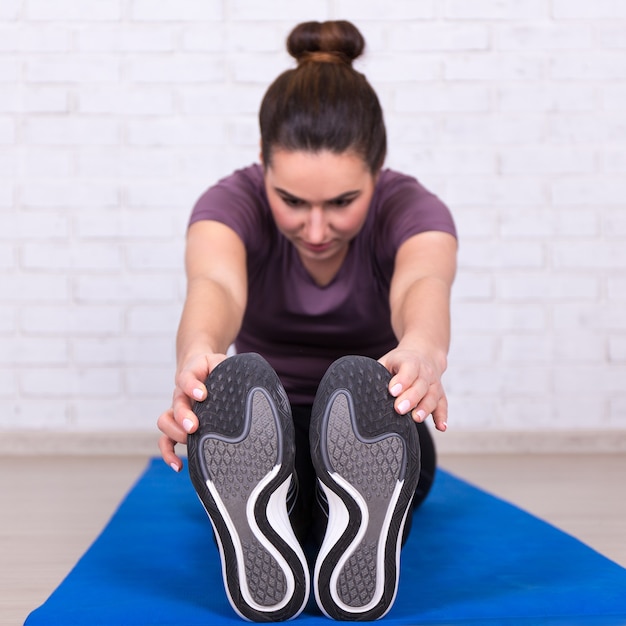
column 292, row 202
column 342, row 202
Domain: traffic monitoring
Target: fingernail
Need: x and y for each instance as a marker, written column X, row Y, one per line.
column 175, row 467
column 198, row 394
column 404, row 407
column 396, row 390
column 187, row 425
column 421, row 415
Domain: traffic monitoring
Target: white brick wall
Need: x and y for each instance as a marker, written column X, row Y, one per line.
column 115, row 116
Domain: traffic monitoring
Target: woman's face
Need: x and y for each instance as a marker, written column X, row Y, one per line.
column 319, row 200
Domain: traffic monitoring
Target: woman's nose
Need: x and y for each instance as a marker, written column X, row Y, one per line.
column 316, row 225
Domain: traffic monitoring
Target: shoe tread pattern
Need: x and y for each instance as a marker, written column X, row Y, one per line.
column 373, row 448
column 373, row 468
column 235, row 469
column 235, row 456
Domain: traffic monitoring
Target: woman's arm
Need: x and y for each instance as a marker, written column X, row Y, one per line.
column 215, row 263
column 420, row 315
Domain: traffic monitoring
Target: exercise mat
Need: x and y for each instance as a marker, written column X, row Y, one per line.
column 471, row 558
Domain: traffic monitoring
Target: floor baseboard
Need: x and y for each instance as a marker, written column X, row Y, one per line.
column 80, row 443
column 143, row 443
column 531, row 442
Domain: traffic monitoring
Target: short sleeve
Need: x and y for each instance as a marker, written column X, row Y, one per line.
column 238, row 201
column 407, row 208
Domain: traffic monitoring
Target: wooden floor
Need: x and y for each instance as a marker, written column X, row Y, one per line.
column 53, row 507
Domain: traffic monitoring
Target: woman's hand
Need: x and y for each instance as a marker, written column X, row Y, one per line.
column 179, row 420
column 420, row 316
column 416, row 385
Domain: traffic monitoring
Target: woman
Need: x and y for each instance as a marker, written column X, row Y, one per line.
column 321, row 262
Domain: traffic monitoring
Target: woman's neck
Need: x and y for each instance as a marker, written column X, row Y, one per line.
column 323, row 272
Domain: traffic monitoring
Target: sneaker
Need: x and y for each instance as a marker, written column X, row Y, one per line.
column 367, row 459
column 241, row 462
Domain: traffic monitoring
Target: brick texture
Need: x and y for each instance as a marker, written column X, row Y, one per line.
column 115, row 116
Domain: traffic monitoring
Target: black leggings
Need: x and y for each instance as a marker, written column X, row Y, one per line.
column 303, row 515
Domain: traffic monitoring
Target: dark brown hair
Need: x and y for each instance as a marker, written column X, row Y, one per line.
column 324, row 103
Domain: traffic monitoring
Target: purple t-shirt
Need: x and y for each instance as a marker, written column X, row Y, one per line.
column 298, row 326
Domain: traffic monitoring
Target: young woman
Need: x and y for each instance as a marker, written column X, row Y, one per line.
column 332, row 277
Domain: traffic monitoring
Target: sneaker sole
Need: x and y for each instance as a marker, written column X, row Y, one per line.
column 367, row 460
column 241, row 462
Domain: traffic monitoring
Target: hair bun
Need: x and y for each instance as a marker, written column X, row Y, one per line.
column 334, row 40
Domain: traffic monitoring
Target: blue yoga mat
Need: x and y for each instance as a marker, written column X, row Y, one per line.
column 471, row 559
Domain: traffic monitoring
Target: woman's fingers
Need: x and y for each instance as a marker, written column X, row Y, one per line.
column 166, row 446
column 190, row 379
column 191, row 385
column 440, row 414
column 435, row 404
column 170, row 427
column 183, row 415
column 179, row 420
column 409, row 398
column 417, row 388
column 172, row 434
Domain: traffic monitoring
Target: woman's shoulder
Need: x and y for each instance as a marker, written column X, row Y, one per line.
column 404, row 204
column 241, row 191
column 239, row 201
column 391, row 182
column 247, row 180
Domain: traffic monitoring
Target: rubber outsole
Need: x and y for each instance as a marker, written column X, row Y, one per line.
column 367, row 459
column 241, row 462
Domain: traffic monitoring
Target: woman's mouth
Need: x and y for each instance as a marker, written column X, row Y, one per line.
column 317, row 247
